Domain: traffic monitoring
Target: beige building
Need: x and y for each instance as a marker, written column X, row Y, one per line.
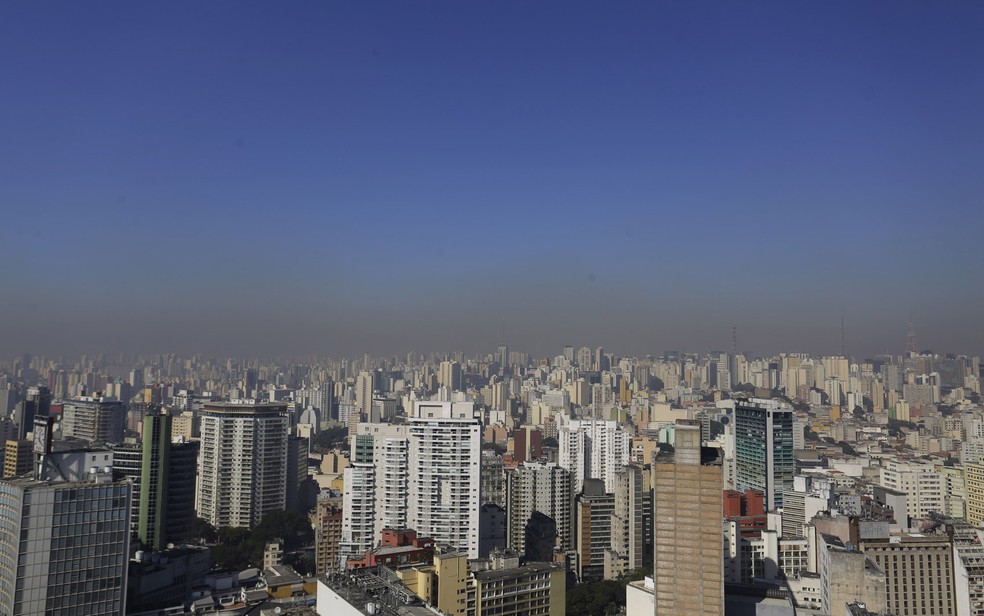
column 974, row 485
column 327, row 522
column 18, row 458
column 848, row 575
column 594, row 509
column 689, row 545
column 502, row 587
column 918, row 574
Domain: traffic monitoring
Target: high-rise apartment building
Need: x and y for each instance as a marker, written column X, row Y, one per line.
column 364, row 388
column 327, row 522
column 919, row 480
column 445, row 474
column 423, row 475
column 628, row 521
column 97, row 420
column 18, row 458
column 543, row 487
column 593, row 518
column 449, row 375
column 593, row 449
column 359, row 510
column 763, row 442
column 242, row 462
column 688, row 542
column 64, row 545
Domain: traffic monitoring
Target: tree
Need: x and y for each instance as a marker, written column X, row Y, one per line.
column 496, row 447
column 330, row 438
column 203, row 532
column 294, row 528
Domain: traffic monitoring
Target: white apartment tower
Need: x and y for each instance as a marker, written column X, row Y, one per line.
column 593, row 449
column 445, row 456
column 543, row 487
column 242, row 462
column 424, row 475
column 359, row 510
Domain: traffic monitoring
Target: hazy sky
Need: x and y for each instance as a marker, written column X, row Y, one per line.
column 261, row 178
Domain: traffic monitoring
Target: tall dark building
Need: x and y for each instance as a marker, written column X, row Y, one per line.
column 764, row 449
column 181, row 492
column 37, row 402
column 167, row 485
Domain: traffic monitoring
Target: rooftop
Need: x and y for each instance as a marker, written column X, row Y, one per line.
column 377, row 587
column 513, row 572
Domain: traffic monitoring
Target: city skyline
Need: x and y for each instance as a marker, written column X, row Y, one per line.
column 347, row 178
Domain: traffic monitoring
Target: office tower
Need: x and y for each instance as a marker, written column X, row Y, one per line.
column 764, row 449
column 593, row 449
column 297, row 473
column 538, row 487
column 128, row 464
column 182, row 480
column 154, row 471
column 64, row 545
column 930, row 560
column 18, row 458
column 327, row 522
column 541, row 538
column 242, row 462
column 165, row 493
column 569, row 353
column 36, row 402
column 445, row 474
column 491, row 529
column 628, row 525
column 688, row 543
column 97, row 420
column 593, row 510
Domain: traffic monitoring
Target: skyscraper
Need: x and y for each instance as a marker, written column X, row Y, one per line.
column 445, row 474
column 364, row 387
column 593, row 449
column 167, row 485
column 593, row 511
column 423, row 475
column 242, row 462
column 688, row 542
column 763, row 445
column 37, row 402
column 533, row 487
column 64, row 545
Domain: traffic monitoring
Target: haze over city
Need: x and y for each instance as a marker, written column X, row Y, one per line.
column 340, row 178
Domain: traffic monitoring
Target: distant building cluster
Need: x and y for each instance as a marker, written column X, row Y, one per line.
column 493, row 484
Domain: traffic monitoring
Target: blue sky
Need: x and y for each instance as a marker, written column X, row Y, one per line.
column 337, row 177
